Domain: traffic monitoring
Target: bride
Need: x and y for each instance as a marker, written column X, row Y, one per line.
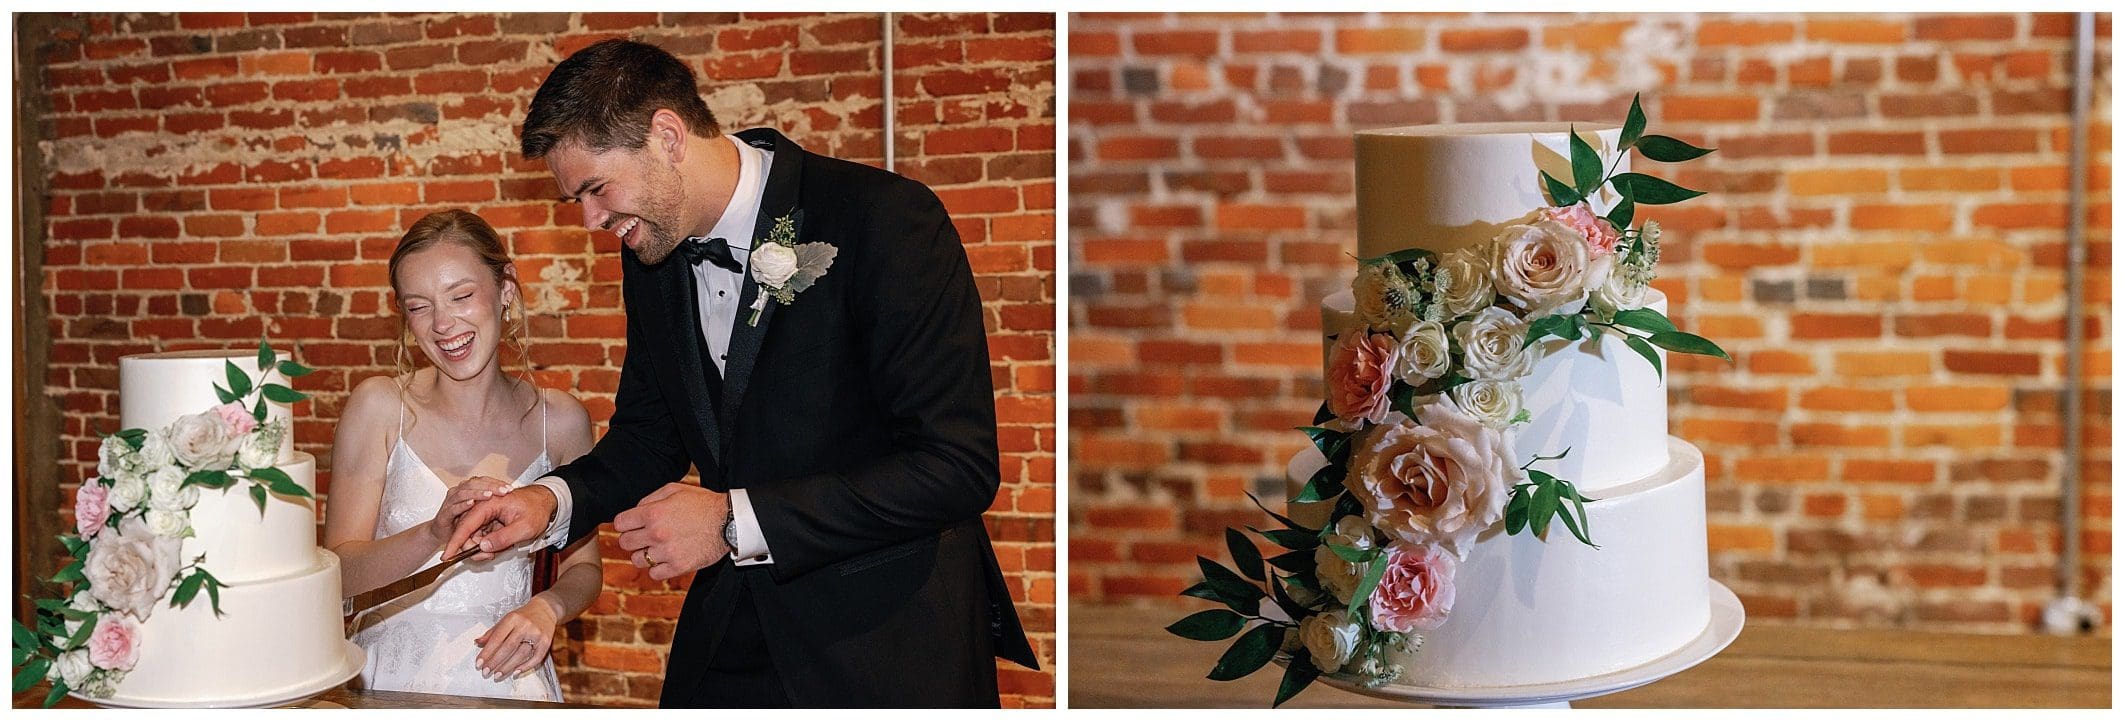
column 413, row 452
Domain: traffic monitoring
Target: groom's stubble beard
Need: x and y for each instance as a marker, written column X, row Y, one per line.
column 660, row 214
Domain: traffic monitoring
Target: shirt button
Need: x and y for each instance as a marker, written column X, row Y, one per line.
column 725, row 356
column 720, row 294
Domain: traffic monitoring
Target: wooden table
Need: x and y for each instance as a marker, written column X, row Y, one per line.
column 1121, row 657
column 341, row 697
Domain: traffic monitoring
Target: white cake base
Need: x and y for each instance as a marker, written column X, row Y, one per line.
column 275, row 641
column 1530, row 611
column 1727, row 618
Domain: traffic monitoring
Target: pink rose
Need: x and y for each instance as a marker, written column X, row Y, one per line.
column 1441, row 478
column 1360, row 371
column 113, row 645
column 238, row 420
column 92, row 506
column 1601, row 238
column 1417, row 590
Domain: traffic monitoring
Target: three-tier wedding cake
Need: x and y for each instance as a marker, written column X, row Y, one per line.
column 1491, row 501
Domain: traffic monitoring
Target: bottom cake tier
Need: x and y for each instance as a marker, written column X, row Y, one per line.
column 1531, row 611
column 274, row 638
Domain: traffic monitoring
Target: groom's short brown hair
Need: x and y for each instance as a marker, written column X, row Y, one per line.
column 603, row 97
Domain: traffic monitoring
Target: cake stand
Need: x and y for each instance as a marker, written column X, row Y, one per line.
column 350, row 665
column 1727, row 616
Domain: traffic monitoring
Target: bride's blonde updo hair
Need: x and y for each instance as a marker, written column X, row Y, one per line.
column 467, row 229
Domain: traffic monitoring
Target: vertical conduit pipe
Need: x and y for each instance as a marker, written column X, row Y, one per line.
column 885, row 37
column 2068, row 613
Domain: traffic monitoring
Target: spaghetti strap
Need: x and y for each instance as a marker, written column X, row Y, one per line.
column 542, row 424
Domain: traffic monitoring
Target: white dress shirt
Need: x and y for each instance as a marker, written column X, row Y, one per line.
column 718, row 291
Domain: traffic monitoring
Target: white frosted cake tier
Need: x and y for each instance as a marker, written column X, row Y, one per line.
column 155, row 389
column 274, row 638
column 1529, row 611
column 1440, row 187
column 243, row 545
column 1598, row 398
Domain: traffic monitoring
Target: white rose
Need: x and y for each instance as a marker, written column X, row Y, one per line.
column 129, row 571
column 1464, row 281
column 1375, row 305
column 154, row 451
column 1494, row 403
column 1441, row 478
column 1331, row 638
column 1352, row 531
column 1623, row 290
column 83, row 602
column 168, row 524
column 73, row 667
column 112, row 456
column 167, row 492
column 1543, row 267
column 1492, row 345
column 773, row 264
column 202, row 442
column 1338, row 577
column 1424, row 353
column 261, row 449
column 127, row 491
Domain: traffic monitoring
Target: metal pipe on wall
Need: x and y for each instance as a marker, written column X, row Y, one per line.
column 2068, row 613
column 885, row 38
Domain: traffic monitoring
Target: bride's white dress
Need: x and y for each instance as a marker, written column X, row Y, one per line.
column 423, row 641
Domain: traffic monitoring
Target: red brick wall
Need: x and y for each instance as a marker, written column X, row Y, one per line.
column 1883, row 252
column 215, row 176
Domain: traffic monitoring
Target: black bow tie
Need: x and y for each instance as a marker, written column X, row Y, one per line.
column 713, row 250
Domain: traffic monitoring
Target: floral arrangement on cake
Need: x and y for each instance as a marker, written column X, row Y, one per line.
column 131, row 519
column 1418, row 427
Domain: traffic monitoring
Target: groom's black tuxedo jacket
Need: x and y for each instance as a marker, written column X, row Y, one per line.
column 860, row 419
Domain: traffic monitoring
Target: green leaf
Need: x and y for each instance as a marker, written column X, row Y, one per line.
column 1625, row 210
column 1293, row 539
column 25, row 641
column 1516, row 512
column 1634, row 125
column 1230, row 585
column 70, row 572
column 258, row 410
column 1331, row 443
column 1680, row 342
column 1294, row 562
column 1349, row 554
column 1585, row 165
column 1280, row 518
column 31, row 673
column 223, row 394
column 1249, row 653
column 59, row 689
column 213, row 589
column 282, row 394
column 1372, row 574
column 1244, row 554
column 209, row 479
column 1644, row 319
column 239, row 382
column 1562, row 195
column 258, row 496
column 1346, row 505
column 1542, row 509
column 74, row 545
column 134, row 437
column 81, row 636
column 1556, row 325
column 1291, row 607
column 1645, row 349
column 280, row 483
column 1215, row 624
column 292, row 369
column 1668, row 150
column 1523, row 416
column 265, row 355
column 1296, row 677
column 1326, row 483
column 1648, row 190
column 1582, row 525
column 186, row 590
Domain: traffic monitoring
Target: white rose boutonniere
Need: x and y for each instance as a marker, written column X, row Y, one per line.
column 783, row 267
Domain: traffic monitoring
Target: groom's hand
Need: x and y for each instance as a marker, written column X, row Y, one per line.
column 675, row 531
column 520, row 515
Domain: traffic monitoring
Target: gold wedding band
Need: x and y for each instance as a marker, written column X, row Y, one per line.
column 647, row 557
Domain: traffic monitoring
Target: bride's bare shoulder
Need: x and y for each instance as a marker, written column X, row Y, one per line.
column 373, row 401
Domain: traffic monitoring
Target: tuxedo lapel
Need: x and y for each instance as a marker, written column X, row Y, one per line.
column 684, row 331
column 777, row 200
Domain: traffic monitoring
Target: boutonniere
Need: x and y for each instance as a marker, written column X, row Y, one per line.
column 782, row 267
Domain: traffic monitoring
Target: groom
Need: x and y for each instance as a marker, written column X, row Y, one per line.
column 843, row 428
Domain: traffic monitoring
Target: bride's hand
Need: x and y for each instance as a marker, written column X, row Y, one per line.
column 461, row 498
column 518, row 642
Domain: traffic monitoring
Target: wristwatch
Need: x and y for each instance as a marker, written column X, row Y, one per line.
column 730, row 529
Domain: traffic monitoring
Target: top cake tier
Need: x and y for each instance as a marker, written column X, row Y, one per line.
column 1441, row 187
column 155, row 389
